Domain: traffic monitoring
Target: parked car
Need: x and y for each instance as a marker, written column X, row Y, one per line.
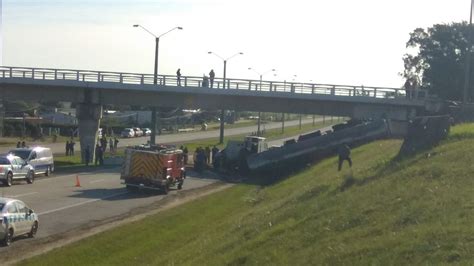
column 16, row 219
column 147, row 131
column 14, row 168
column 41, row 158
column 128, row 133
column 138, row 132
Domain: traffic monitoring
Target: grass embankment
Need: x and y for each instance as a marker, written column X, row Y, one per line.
column 417, row 210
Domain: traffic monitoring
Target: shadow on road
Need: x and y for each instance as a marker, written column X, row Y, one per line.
column 114, row 194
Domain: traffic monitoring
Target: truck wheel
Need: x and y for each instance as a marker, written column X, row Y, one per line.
column 30, row 177
column 9, row 179
column 180, row 185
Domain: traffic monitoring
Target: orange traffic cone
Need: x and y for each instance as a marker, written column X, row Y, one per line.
column 78, row 182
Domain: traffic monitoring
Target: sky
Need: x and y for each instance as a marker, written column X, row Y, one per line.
column 328, row 42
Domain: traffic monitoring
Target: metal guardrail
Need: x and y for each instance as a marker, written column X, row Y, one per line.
column 192, row 81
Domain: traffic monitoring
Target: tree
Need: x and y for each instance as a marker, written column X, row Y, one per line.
column 438, row 64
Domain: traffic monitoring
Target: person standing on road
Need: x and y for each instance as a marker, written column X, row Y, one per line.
column 111, row 145
column 68, row 147
column 18, row 145
column 71, row 147
column 214, row 150
column 185, row 152
column 116, row 141
column 208, row 154
column 103, row 143
column 178, row 77
column 23, row 144
column 98, row 154
column 87, row 155
column 344, row 153
column 211, row 77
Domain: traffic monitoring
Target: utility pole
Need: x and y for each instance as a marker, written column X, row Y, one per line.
column 467, row 74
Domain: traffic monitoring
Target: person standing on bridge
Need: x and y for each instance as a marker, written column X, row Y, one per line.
column 178, row 77
column 205, row 81
column 344, row 153
column 211, row 77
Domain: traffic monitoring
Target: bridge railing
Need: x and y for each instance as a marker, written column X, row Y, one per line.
column 193, row 81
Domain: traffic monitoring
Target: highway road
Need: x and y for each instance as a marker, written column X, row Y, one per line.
column 62, row 206
column 58, row 148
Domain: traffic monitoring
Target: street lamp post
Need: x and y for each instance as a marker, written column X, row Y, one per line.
column 221, row 129
column 259, row 113
column 467, row 74
column 155, row 77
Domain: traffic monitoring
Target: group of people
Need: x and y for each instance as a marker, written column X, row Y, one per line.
column 70, row 147
column 100, row 149
column 204, row 157
column 206, row 81
column 21, row 144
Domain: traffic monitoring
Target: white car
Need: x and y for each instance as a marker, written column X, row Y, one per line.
column 127, row 133
column 138, row 131
column 41, row 158
column 14, row 168
column 16, row 219
column 147, row 131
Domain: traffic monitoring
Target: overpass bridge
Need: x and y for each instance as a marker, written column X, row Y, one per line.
column 92, row 89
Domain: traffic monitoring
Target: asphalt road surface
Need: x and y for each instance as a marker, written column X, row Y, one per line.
column 62, row 206
column 59, row 148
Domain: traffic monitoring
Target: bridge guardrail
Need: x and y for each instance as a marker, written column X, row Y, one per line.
column 193, row 81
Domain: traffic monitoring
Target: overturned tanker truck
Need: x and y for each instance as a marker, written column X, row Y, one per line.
column 308, row 148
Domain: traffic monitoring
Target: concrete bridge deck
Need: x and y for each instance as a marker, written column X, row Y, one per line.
column 104, row 87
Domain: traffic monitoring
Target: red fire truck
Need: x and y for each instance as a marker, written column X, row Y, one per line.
column 155, row 167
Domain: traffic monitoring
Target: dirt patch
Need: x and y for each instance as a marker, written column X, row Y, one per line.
column 26, row 249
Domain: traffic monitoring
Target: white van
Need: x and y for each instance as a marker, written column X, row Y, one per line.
column 40, row 158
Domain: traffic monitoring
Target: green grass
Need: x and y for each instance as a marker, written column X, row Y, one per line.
column 413, row 211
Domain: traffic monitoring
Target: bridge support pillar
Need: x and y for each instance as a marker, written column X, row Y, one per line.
column 88, row 116
column 2, row 117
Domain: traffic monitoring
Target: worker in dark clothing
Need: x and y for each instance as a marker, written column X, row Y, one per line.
column 71, row 147
column 207, row 151
column 214, row 150
column 178, row 77
column 344, row 153
column 68, row 148
column 185, row 152
column 87, row 155
column 211, row 77
column 99, row 155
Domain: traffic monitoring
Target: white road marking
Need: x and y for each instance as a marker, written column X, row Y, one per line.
column 22, row 195
column 82, row 203
column 97, row 181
